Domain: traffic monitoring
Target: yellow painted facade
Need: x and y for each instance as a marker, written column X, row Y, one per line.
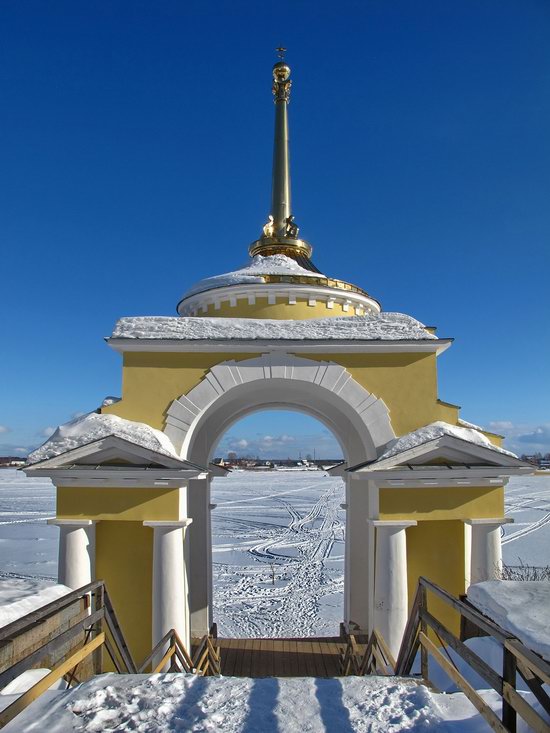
column 435, row 549
column 429, row 504
column 124, row 560
column 281, row 309
column 407, row 382
column 118, row 504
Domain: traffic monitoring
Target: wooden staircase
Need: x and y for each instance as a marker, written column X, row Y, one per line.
column 75, row 653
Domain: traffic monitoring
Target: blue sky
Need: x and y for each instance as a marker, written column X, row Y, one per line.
column 136, row 154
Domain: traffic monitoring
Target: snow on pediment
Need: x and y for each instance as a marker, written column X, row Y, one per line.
column 108, row 439
column 113, row 453
column 441, row 444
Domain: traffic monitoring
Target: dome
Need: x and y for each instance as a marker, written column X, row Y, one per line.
column 275, row 286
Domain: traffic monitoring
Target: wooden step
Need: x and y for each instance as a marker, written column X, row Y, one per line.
column 290, row 657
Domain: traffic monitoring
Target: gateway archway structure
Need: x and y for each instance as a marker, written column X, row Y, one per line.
column 324, row 390
column 425, row 490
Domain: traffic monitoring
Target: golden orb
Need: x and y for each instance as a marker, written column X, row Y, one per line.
column 281, row 71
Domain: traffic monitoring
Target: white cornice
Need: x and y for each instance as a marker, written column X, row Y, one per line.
column 303, row 346
column 216, row 296
column 130, row 478
column 458, row 476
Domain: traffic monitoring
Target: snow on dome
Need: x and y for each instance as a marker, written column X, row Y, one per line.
column 379, row 327
column 437, row 430
column 91, row 427
column 253, row 273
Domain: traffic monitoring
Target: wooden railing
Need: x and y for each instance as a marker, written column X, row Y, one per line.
column 517, row 658
column 170, row 655
column 97, row 628
column 374, row 657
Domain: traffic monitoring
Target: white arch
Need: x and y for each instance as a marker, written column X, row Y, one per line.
column 325, row 390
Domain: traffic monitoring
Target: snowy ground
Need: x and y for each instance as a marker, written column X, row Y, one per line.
column 278, row 554
column 167, row 702
column 286, row 523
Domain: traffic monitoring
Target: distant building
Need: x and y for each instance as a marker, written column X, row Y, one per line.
column 12, row 461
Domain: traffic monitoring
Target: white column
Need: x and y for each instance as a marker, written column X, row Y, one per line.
column 170, row 597
column 485, row 548
column 76, row 551
column 390, row 593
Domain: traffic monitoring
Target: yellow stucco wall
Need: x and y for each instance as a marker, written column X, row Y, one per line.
column 124, row 560
column 281, row 309
column 151, row 382
column 435, row 549
column 434, row 503
column 119, row 504
column 406, row 382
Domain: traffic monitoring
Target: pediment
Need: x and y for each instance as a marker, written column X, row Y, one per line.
column 439, row 454
column 112, row 452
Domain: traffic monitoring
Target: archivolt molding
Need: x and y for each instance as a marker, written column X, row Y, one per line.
column 327, row 388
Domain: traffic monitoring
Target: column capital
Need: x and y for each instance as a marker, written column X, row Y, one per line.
column 169, row 523
column 73, row 522
column 389, row 523
column 487, row 522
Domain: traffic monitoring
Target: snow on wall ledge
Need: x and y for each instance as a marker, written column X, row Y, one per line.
column 91, row 427
column 437, row 430
column 253, row 273
column 519, row 606
column 380, row 327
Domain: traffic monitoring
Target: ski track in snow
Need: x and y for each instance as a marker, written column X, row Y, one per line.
column 254, row 606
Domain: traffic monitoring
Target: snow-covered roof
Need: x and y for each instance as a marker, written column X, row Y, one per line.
column 92, row 427
column 519, row 606
column 379, row 327
column 253, row 272
column 437, row 430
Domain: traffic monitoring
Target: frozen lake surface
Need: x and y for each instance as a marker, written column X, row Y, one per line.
column 278, row 544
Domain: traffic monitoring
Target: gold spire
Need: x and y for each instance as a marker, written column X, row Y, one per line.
column 280, row 233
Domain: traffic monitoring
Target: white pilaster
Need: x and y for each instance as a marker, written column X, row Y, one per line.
column 485, row 548
column 200, row 553
column 170, row 596
column 76, row 551
column 390, row 594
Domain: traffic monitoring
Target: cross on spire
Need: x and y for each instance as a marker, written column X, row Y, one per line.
column 281, row 52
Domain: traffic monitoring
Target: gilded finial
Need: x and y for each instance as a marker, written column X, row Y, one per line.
column 281, row 78
column 280, row 232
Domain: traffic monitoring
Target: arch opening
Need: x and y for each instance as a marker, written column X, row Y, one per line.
column 327, row 392
column 278, row 529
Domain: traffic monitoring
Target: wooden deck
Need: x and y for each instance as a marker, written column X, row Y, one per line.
column 309, row 657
